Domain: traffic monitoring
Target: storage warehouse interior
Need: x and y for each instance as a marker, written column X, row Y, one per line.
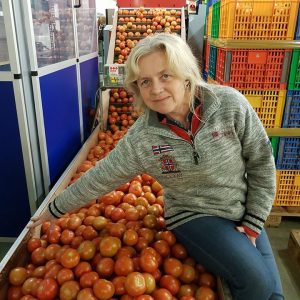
column 64, row 107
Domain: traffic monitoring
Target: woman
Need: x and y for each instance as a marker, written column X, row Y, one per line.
column 207, row 147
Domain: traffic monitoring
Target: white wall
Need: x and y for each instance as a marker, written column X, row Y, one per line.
column 101, row 5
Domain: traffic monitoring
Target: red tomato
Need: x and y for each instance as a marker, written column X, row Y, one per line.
column 51, row 251
column 162, row 247
column 67, row 236
column 64, row 275
column 103, row 289
column 162, row 294
column 188, row 274
column 148, row 262
column 109, row 246
column 119, row 284
column 105, row 267
column 123, row 266
column 48, row 289
column 69, row 290
column 150, row 283
column 33, row 243
column 38, row 256
column 81, row 268
column 14, row 293
column 173, row 266
column 87, row 250
column 178, row 251
column 86, row 294
column 171, row 283
column 205, row 293
column 88, row 279
column 130, row 237
column 70, row 258
column 207, row 279
column 135, row 284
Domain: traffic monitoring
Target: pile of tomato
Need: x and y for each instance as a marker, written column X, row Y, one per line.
column 116, row 247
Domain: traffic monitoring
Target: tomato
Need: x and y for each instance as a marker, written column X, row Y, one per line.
column 130, row 237
column 109, row 246
column 147, row 233
column 116, row 229
column 17, row 276
column 135, row 284
column 14, row 293
column 33, row 244
column 89, row 233
column 123, row 266
column 126, row 251
column 156, row 187
column 162, row 294
column 53, row 236
column 53, row 271
column 141, row 244
column 81, row 268
column 51, row 251
column 124, row 188
column 88, row 221
column 48, row 289
column 69, row 290
column 173, row 266
column 67, row 236
column 119, row 284
column 136, row 189
column 117, row 214
column 207, row 279
column 30, row 286
column 188, row 274
column 39, row 272
column 88, row 279
column 86, row 294
column 150, row 221
column 150, row 197
column 169, row 237
column 105, row 267
column 87, row 250
column 187, row 290
column 142, row 210
column 103, row 289
column 64, row 275
column 142, row 201
column 130, row 198
column 77, row 240
column 205, row 293
column 150, row 283
column 144, row 297
column 171, row 283
column 187, row 298
column 28, row 297
column 148, row 262
column 162, row 247
column 38, row 256
column 70, row 258
column 99, row 222
column 178, row 251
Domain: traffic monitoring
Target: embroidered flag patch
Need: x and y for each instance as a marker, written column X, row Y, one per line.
column 161, row 149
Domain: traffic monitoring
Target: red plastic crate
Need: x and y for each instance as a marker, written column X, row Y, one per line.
column 253, row 69
column 206, row 56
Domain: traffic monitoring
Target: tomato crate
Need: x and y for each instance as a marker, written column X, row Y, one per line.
column 268, row 105
column 253, row 69
column 291, row 116
column 215, row 20
column 288, row 188
column 258, row 19
column 209, row 21
column 213, row 52
column 294, row 78
column 288, row 155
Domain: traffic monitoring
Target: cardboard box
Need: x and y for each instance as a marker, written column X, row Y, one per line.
column 294, row 244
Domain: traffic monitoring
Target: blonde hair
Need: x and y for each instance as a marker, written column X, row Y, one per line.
column 180, row 60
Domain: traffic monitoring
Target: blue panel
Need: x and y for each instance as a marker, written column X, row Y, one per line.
column 14, row 202
column 61, row 119
column 89, row 84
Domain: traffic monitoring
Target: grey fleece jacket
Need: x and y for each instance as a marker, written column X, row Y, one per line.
column 234, row 178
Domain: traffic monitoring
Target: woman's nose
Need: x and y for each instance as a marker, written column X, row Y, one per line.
column 157, row 87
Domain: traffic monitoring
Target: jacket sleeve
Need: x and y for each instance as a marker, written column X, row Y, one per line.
column 119, row 167
column 260, row 170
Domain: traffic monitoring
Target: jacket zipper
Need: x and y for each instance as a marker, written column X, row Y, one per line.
column 195, row 153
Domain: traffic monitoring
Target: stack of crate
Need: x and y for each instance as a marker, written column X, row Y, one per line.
column 288, row 156
column 259, row 72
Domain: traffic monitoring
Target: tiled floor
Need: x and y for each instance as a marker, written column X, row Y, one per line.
column 288, row 268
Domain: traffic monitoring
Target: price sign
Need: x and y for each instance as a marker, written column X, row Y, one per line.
column 114, row 75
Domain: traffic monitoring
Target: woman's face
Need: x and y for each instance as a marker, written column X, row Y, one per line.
column 162, row 90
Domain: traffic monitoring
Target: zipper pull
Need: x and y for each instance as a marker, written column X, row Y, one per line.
column 196, row 157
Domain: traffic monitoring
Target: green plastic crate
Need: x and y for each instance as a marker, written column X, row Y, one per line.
column 274, row 142
column 215, row 20
column 294, row 79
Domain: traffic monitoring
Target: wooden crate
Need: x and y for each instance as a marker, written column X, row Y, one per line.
column 273, row 221
column 294, row 244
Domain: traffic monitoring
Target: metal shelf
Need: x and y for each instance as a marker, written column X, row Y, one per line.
column 254, row 44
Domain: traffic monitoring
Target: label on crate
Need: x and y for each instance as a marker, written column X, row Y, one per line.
column 114, row 75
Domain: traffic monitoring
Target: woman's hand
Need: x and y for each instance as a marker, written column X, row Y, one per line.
column 38, row 220
column 251, row 238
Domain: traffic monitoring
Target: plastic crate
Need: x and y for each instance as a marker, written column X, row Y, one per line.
column 212, row 61
column 207, row 56
column 268, row 105
column 274, row 142
column 288, row 188
column 291, row 116
column 257, row 20
column 215, row 20
column 209, row 21
column 288, row 155
column 294, row 78
column 297, row 31
column 204, row 75
column 253, row 69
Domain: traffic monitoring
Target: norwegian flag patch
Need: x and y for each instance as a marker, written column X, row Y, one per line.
column 161, row 149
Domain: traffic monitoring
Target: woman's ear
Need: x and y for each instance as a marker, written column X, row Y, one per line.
column 187, row 84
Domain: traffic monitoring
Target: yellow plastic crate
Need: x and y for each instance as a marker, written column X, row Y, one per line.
column 288, row 188
column 257, row 20
column 209, row 22
column 269, row 105
column 210, row 80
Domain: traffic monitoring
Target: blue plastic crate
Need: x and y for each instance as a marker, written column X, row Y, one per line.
column 204, row 75
column 291, row 116
column 212, row 61
column 288, row 155
column 297, row 30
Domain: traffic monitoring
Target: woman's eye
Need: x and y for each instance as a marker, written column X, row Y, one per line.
column 165, row 76
column 144, row 82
